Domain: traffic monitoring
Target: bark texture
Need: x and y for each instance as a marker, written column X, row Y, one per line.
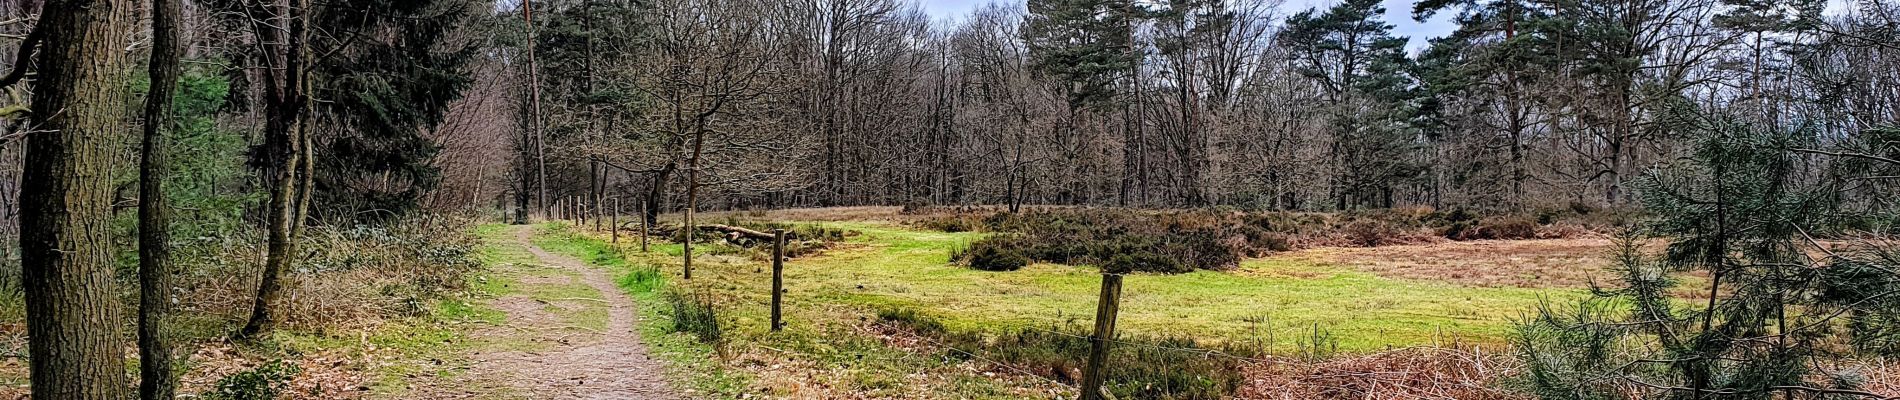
column 286, row 147
column 72, row 307
column 155, row 354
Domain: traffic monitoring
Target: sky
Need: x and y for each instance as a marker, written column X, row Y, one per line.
column 1397, row 12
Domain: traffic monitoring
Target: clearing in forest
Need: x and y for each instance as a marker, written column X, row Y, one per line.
column 1277, row 301
column 1274, row 301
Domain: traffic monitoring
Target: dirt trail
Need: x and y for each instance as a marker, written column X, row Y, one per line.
column 612, row 364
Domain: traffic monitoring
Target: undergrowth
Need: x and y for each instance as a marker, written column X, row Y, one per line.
column 1139, row 367
column 1179, row 241
column 265, row 382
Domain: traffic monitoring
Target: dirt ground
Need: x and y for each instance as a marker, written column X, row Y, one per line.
column 608, row 364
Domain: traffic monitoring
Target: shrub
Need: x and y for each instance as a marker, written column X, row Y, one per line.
column 915, row 205
column 1494, row 229
column 1149, row 262
column 1510, row 229
column 995, row 255
column 953, row 223
column 1273, row 241
column 1370, row 233
column 265, row 382
column 1182, row 241
column 1582, row 208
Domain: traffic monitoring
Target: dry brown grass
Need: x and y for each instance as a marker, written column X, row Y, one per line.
column 1440, row 373
column 326, row 375
column 1883, row 377
column 1547, row 263
column 1414, row 373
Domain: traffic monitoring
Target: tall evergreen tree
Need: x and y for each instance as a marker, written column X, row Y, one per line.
column 1082, row 43
column 1477, row 81
column 1364, row 74
column 382, row 72
column 379, row 94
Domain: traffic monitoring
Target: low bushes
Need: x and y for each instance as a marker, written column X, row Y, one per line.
column 1116, row 240
column 1185, row 240
column 345, row 276
column 1494, row 229
column 993, row 255
column 1370, row 233
column 1139, row 367
column 265, row 382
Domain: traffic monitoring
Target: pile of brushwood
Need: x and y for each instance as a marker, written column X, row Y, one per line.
column 744, row 236
column 1178, row 241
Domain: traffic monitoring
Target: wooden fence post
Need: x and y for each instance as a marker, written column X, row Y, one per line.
column 644, row 209
column 1105, row 309
column 614, row 225
column 778, row 273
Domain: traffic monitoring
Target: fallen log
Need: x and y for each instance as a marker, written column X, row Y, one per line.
column 733, row 233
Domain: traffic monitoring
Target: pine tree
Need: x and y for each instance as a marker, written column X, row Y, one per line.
column 1082, row 43
column 1366, row 77
column 1475, row 82
column 380, row 93
column 1741, row 211
column 381, row 72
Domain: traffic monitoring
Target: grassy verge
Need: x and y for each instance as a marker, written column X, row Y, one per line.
column 827, row 350
column 692, row 362
column 399, row 357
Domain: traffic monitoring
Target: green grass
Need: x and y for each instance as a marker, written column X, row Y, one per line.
column 822, row 339
column 1274, row 304
column 1270, row 302
column 690, row 361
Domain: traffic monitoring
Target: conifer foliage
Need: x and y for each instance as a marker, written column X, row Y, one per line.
column 1779, row 315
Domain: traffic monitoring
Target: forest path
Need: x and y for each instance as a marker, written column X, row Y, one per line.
column 579, row 362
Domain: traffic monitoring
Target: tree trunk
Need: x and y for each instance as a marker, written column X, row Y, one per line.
column 155, row 359
column 534, row 114
column 285, row 149
column 692, row 195
column 73, row 313
column 656, row 194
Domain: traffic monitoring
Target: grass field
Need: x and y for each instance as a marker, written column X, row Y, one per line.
column 1275, row 301
column 825, row 351
column 1293, row 304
